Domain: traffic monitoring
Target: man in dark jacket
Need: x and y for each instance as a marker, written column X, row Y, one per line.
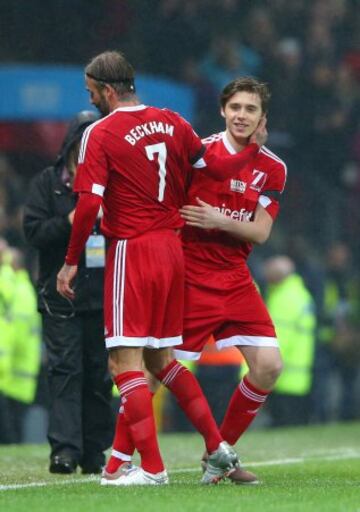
column 80, row 416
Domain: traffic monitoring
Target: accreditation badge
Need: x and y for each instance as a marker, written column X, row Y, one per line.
column 95, row 251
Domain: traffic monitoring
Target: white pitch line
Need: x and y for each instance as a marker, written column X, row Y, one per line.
column 349, row 454
column 68, row 481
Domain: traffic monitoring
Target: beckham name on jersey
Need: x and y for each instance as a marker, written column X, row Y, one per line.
column 242, row 215
column 141, row 130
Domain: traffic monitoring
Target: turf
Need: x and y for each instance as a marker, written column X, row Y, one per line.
column 301, row 469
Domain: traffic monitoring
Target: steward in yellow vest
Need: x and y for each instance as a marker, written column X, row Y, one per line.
column 292, row 309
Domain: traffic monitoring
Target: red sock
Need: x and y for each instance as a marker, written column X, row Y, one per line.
column 139, row 418
column 242, row 409
column 182, row 383
column 123, row 446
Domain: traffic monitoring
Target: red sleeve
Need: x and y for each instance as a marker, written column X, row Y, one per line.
column 221, row 168
column 193, row 144
column 270, row 195
column 86, row 212
column 92, row 170
column 271, row 205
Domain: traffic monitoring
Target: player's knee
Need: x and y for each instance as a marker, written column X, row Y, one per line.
column 267, row 372
column 275, row 370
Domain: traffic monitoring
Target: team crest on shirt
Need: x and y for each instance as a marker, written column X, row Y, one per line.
column 237, row 186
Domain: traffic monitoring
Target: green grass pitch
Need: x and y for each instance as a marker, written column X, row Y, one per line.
column 313, row 469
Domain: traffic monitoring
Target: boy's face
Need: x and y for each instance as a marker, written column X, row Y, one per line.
column 242, row 114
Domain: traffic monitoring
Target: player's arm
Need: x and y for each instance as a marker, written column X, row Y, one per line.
column 205, row 216
column 224, row 167
column 90, row 183
column 86, row 212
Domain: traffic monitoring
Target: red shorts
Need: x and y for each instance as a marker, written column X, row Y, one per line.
column 227, row 305
column 144, row 291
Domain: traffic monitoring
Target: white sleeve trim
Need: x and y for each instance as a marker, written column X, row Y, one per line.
column 264, row 201
column 97, row 189
column 199, row 164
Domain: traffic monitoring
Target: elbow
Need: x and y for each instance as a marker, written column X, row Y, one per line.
column 261, row 238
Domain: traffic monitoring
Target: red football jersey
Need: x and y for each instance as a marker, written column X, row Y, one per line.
column 258, row 182
column 138, row 159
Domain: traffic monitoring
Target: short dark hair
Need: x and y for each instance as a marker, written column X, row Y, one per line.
column 246, row 84
column 111, row 67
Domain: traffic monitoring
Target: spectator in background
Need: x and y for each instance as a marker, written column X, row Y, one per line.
column 180, row 26
column 261, row 36
column 7, row 280
column 80, row 416
column 227, row 59
column 292, row 309
column 205, row 96
column 11, row 199
column 25, row 345
column 339, row 343
column 285, row 77
column 326, row 119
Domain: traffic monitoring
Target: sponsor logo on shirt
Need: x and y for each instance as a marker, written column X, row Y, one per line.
column 237, row 186
column 242, row 215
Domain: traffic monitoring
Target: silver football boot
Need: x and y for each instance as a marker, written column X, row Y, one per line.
column 220, row 464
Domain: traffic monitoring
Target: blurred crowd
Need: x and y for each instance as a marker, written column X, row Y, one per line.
column 309, row 54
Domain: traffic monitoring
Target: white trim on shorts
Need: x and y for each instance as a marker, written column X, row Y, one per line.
column 145, row 341
column 185, row 354
column 119, row 287
column 252, row 341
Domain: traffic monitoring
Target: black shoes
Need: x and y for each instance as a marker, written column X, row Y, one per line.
column 92, row 463
column 91, row 469
column 62, row 464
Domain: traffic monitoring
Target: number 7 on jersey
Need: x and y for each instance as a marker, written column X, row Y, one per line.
column 160, row 150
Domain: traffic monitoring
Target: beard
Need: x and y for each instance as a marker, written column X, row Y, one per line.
column 103, row 106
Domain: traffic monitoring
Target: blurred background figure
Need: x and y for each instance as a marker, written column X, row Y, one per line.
column 7, row 280
column 25, row 346
column 307, row 52
column 338, row 352
column 292, row 309
column 80, row 415
column 216, row 366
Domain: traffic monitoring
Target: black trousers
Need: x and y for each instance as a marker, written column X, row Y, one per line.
column 81, row 420
column 288, row 409
column 5, row 421
column 17, row 412
column 218, row 383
